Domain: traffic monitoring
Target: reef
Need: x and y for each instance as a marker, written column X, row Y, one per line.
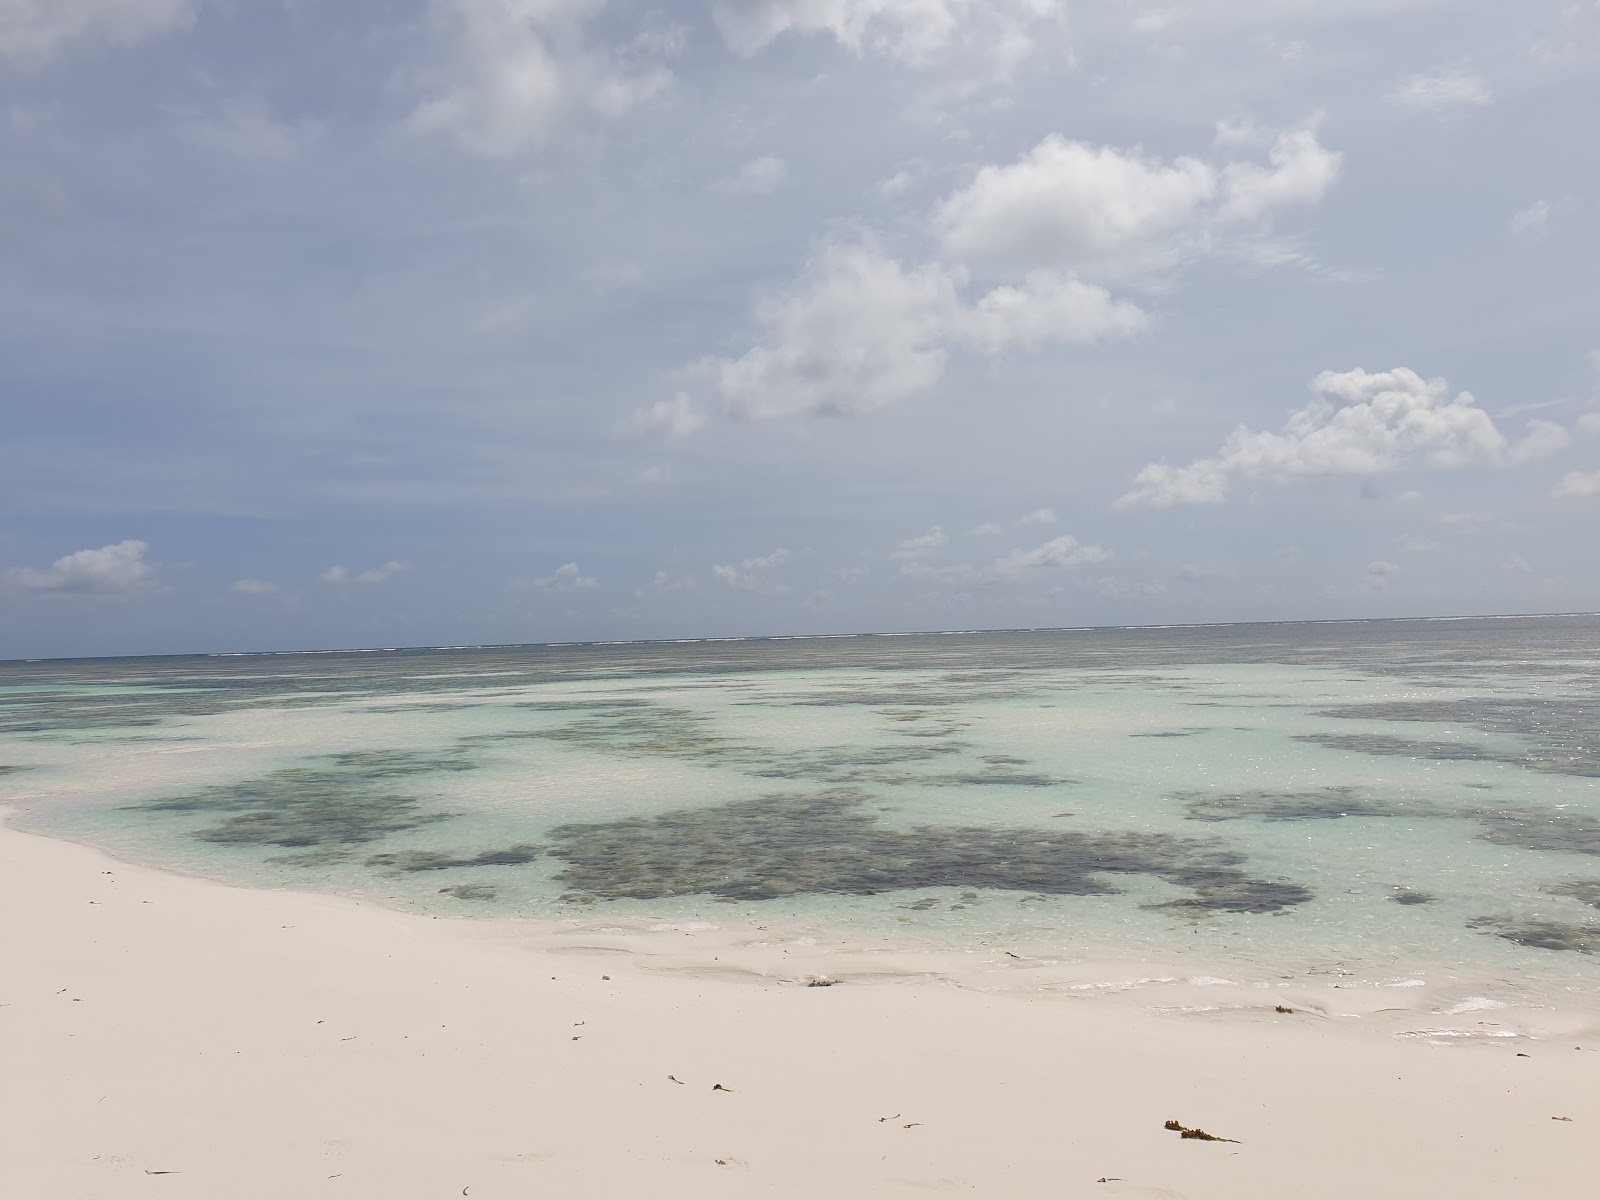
column 788, row 844
column 428, row 860
column 1542, row 935
column 300, row 807
column 1319, row 804
column 1584, row 891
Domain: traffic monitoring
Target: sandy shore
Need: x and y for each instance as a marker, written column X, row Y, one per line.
column 170, row 1037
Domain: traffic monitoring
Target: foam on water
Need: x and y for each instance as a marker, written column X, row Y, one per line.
column 1367, row 800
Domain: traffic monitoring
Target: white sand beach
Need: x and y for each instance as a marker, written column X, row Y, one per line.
column 171, row 1037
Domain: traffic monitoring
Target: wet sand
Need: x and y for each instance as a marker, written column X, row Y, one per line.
column 174, row 1037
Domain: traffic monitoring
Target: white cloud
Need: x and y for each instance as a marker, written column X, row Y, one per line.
column 860, row 332
column 746, row 576
column 341, row 575
column 525, row 69
column 1299, row 171
column 1588, row 425
column 1046, row 308
column 1542, row 440
column 1106, row 213
column 1531, row 220
column 1064, row 553
column 1067, row 204
column 1039, row 516
column 677, row 417
column 913, row 31
column 1450, row 90
column 115, row 570
column 987, row 529
column 568, row 577
column 36, row 29
column 1577, row 485
column 863, row 331
column 758, row 177
column 921, row 546
column 1359, row 424
column 253, row 587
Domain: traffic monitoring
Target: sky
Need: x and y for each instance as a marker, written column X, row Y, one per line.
column 439, row 322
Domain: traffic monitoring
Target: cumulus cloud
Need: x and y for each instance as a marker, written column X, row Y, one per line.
column 37, row 29
column 1360, row 423
column 1025, row 256
column 862, row 331
column 524, row 69
column 342, row 575
column 921, row 546
column 1453, row 89
column 677, row 417
column 115, row 570
column 1039, row 516
column 913, row 31
column 568, row 577
column 747, row 576
column 253, row 587
column 758, row 177
column 1577, row 485
column 1380, row 571
column 1108, row 213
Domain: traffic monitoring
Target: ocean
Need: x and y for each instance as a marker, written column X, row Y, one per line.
column 1368, row 800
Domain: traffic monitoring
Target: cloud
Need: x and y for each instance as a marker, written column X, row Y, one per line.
column 115, row 570
column 859, row 333
column 523, row 70
column 1542, row 440
column 758, row 177
column 37, row 29
column 1039, row 516
column 568, row 577
column 920, row 547
column 342, row 575
column 863, row 331
column 1577, row 485
column 1359, row 424
column 1064, row 553
column 677, row 417
column 253, row 587
column 1534, row 219
column 1454, row 89
column 1588, row 425
column 746, row 577
column 1105, row 213
column 912, row 31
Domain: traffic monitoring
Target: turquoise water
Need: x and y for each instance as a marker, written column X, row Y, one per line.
column 1370, row 797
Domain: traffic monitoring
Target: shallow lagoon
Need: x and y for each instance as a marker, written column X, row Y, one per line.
column 1376, row 798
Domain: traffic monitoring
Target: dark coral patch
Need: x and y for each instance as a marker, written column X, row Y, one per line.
column 788, row 844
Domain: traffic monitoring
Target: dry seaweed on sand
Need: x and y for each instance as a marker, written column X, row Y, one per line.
column 1195, row 1134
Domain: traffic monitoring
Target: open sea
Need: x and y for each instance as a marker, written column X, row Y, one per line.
column 1372, row 800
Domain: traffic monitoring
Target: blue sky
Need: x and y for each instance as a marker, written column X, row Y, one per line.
column 405, row 322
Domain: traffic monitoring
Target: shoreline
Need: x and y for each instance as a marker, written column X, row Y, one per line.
column 270, row 1043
